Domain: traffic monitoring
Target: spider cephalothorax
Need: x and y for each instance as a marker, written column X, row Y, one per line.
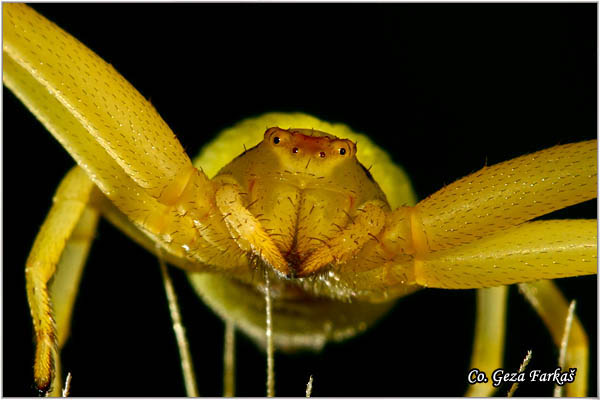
column 305, row 187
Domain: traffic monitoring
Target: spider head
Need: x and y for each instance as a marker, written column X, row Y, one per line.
column 297, row 149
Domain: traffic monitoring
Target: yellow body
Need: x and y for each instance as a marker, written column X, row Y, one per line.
column 310, row 214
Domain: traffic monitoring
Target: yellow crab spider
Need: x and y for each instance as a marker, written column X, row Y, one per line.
column 304, row 260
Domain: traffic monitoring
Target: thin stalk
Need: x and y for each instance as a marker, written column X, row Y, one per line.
column 189, row 377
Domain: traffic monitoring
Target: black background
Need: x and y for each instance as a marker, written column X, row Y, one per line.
column 445, row 88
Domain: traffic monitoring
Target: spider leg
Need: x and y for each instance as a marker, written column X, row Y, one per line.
column 116, row 136
column 529, row 252
column 488, row 346
column 121, row 221
column 53, row 271
column 506, row 194
column 109, row 110
column 474, row 232
column 552, row 307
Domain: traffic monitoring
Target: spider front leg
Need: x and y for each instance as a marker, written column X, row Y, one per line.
column 53, row 271
column 474, row 234
column 127, row 152
column 118, row 138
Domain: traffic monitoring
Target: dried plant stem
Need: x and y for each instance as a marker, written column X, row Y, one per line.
column 563, row 345
column 269, row 334
column 515, row 385
column 67, row 389
column 309, row 386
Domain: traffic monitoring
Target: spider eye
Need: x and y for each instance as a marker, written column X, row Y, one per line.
column 342, row 151
column 276, row 140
